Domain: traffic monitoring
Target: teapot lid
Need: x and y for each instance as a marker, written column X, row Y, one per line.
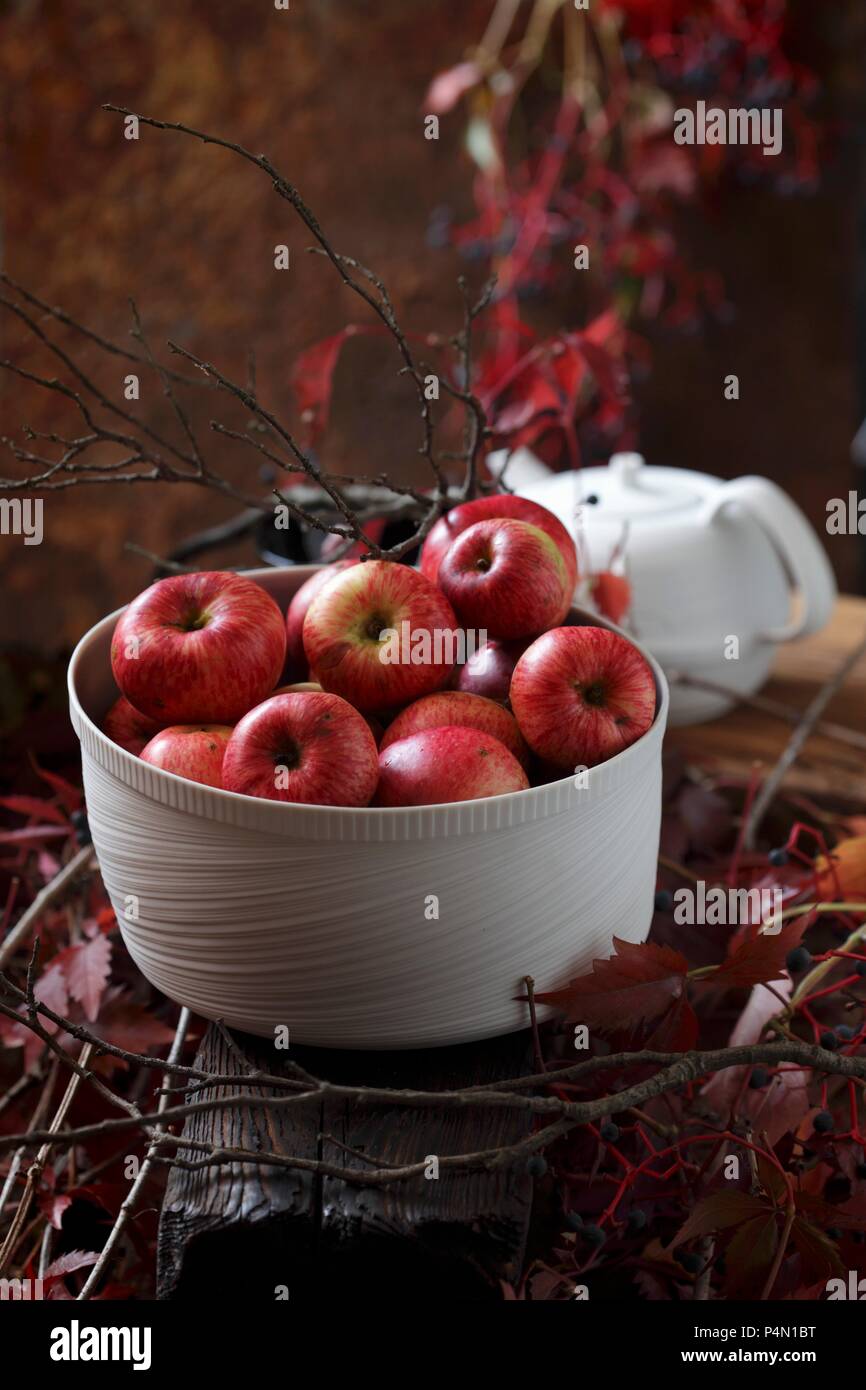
column 629, row 490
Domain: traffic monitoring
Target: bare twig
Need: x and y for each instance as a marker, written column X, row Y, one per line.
column 78, row 864
column 149, row 457
column 676, row 1070
column 131, row 1199
column 35, row 1171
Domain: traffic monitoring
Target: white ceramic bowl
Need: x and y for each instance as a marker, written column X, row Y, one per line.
column 324, row 919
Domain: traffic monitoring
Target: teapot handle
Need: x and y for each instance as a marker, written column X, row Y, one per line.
column 798, row 546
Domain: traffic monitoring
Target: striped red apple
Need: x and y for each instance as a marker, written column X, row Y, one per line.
column 199, row 648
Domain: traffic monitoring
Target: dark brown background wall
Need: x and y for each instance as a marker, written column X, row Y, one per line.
column 332, row 91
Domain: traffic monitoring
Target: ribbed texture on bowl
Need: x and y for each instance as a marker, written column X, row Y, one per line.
column 267, row 914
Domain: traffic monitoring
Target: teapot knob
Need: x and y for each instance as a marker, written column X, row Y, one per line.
column 626, row 467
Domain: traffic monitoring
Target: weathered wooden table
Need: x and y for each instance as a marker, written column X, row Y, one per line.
column 251, row 1230
column 748, row 735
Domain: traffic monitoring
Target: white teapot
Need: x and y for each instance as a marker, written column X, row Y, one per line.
column 711, row 565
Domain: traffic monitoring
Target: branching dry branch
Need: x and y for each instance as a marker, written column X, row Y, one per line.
column 148, row 456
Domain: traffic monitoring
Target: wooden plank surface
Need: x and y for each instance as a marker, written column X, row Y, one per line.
column 251, row 1229
column 745, row 736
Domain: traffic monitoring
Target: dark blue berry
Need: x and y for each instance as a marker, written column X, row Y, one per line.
column 637, row 1221
column 778, row 857
column 574, row 1220
column 692, row 1264
column 536, row 1166
column 664, row 900
column 594, row 1234
column 798, row 960
column 845, row 1032
column 829, row 1040
column 82, row 828
column 834, row 1233
column 759, row 1078
column 478, row 250
column 609, row 1132
column 823, row 1122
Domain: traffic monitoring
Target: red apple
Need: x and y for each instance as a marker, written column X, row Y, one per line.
column 507, row 578
column 488, row 670
column 194, row 751
column 373, row 724
column 460, row 518
column 307, row 747
column 199, row 648
column 380, row 635
column 582, row 694
column 296, row 661
column 124, row 725
column 455, row 707
column 446, row 764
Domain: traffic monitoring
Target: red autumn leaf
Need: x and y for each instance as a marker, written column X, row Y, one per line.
column 608, row 373
column 719, row 1212
column 569, row 367
column 771, row 1179
column 818, row 1255
column 53, row 1206
column 106, row 919
column 759, row 958
column 106, row 1195
column 69, row 1263
column 312, row 378
column 86, row 966
column 51, row 990
column 677, row 1031
column 749, row 1256
column 69, row 796
column 611, row 594
column 34, row 806
column 828, row 1213
column 637, row 984
column 131, row 1026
